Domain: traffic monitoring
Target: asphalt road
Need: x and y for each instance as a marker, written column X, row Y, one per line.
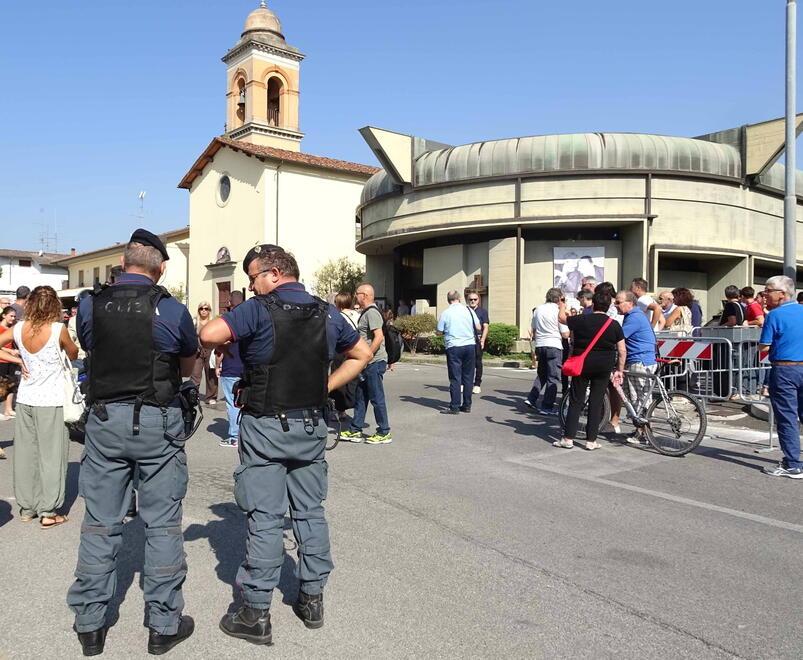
column 469, row 536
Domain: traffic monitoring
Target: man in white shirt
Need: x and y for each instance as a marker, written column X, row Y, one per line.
column 646, row 303
column 459, row 326
column 548, row 333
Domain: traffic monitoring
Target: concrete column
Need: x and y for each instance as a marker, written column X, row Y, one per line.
column 502, row 274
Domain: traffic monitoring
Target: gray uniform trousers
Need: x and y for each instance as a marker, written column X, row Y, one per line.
column 280, row 469
column 111, row 452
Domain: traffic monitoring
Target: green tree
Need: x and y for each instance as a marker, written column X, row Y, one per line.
column 177, row 291
column 338, row 275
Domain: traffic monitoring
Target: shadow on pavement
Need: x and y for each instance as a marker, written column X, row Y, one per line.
column 435, row 404
column 5, row 512
column 71, row 487
column 226, row 536
column 440, row 388
column 220, row 428
column 512, row 404
column 738, row 458
column 522, row 427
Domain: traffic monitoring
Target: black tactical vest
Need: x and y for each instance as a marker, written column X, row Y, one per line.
column 123, row 363
column 297, row 374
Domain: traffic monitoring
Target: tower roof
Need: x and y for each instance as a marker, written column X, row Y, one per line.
column 263, row 19
column 263, row 31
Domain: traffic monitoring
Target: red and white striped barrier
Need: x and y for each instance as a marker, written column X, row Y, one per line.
column 684, row 349
column 764, row 356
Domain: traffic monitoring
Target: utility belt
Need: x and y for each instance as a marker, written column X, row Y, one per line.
column 188, row 399
column 311, row 414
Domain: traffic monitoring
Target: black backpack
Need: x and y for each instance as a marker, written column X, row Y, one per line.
column 393, row 338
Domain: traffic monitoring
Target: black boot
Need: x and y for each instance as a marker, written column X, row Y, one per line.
column 249, row 624
column 309, row 609
column 159, row 644
column 92, row 642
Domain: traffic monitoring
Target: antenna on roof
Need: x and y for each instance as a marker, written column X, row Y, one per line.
column 141, row 198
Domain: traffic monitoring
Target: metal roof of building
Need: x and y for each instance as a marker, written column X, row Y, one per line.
column 580, row 152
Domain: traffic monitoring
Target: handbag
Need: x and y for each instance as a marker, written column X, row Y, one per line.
column 574, row 365
column 73, row 397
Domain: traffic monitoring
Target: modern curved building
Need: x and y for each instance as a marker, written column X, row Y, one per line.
column 508, row 217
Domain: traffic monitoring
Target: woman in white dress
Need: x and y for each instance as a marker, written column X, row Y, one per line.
column 41, row 441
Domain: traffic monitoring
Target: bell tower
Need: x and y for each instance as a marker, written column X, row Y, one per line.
column 262, row 84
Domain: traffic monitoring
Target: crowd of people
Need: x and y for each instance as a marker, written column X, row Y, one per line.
column 614, row 332
column 272, row 358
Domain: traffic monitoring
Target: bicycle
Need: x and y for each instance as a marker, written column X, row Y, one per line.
column 673, row 423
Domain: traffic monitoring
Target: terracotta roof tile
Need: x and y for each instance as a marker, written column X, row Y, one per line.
column 272, row 153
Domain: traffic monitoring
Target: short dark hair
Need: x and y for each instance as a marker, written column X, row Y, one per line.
column 272, row 256
column 748, row 292
column 585, row 295
column 23, row 292
column 800, row 297
column 683, row 297
column 6, row 310
column 606, row 287
column 731, row 291
column 601, row 300
column 641, row 283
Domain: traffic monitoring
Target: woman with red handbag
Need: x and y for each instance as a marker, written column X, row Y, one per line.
column 598, row 356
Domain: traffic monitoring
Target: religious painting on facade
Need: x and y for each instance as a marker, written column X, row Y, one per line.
column 572, row 264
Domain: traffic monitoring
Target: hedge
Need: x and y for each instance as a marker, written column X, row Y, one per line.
column 501, row 338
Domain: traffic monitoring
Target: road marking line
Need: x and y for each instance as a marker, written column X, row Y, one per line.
column 753, row 517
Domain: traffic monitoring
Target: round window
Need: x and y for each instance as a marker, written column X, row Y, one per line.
column 224, row 188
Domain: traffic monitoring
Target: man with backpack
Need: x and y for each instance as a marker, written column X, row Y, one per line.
column 369, row 385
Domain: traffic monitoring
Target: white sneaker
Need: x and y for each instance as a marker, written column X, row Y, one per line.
column 477, row 389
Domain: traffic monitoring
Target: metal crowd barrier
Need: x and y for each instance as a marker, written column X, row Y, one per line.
column 718, row 364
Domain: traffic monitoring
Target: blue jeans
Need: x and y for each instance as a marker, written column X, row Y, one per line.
column 460, row 361
column 550, row 361
column 370, row 388
column 786, row 397
column 227, row 383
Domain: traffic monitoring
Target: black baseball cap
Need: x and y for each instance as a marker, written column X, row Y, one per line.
column 144, row 237
column 257, row 250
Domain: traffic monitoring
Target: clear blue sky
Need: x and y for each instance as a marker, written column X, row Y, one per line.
column 102, row 99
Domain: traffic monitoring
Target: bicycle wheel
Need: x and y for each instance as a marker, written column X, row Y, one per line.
column 581, row 424
column 675, row 425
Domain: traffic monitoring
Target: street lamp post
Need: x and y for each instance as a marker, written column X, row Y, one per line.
column 790, row 197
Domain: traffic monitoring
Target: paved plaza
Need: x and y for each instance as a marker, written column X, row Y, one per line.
column 469, row 536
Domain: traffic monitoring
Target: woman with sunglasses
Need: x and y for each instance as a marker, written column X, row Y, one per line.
column 202, row 364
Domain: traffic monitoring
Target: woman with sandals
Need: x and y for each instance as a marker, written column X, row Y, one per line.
column 41, row 440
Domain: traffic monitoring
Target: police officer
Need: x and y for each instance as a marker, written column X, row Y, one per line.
column 287, row 339
column 139, row 342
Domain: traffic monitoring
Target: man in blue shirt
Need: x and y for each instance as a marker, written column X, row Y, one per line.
column 783, row 335
column 459, row 326
column 640, row 344
column 140, row 342
column 482, row 314
column 287, row 339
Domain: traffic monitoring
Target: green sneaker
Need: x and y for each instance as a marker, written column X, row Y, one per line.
column 377, row 439
column 351, row 436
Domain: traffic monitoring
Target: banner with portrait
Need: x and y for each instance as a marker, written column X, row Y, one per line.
column 572, row 264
